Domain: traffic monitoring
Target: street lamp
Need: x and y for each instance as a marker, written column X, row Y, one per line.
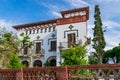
column 60, row 49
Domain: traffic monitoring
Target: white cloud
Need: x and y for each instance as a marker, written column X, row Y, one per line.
column 6, row 24
column 110, row 18
column 53, row 10
column 111, row 24
column 112, row 41
column 108, row 0
column 112, row 35
column 56, row 14
column 77, row 3
column 50, row 6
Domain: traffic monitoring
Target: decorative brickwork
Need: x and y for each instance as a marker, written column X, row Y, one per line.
column 85, row 72
column 72, row 20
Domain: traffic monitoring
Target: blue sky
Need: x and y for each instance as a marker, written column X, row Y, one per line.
column 26, row 11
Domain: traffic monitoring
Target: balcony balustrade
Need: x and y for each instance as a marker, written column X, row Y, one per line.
column 66, row 45
column 31, row 51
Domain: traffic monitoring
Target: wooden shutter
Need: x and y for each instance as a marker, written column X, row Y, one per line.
column 53, row 45
column 25, row 51
column 71, row 39
column 38, row 47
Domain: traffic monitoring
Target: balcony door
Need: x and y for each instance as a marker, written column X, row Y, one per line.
column 25, row 49
column 38, row 47
column 71, row 39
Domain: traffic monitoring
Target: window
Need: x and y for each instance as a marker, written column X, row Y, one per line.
column 26, row 32
column 37, row 30
column 37, row 63
column 41, row 30
column 53, row 46
column 25, row 49
column 30, row 31
column 53, row 28
column 53, row 62
column 38, row 47
column 33, row 31
column 49, row 29
column 71, row 39
column 45, row 29
column 25, row 63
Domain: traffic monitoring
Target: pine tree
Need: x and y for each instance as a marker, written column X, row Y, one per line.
column 98, row 40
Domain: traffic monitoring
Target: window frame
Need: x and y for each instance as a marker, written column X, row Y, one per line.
column 36, row 47
column 49, row 29
column 53, row 28
column 41, row 30
column 37, row 30
column 30, row 31
column 53, row 45
column 33, row 31
column 45, row 30
column 25, row 49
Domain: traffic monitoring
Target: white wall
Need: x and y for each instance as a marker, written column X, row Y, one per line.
column 82, row 32
column 44, row 36
column 59, row 32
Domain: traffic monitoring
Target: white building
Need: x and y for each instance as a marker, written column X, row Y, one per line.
column 49, row 36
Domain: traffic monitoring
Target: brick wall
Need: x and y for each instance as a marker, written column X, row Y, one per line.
column 96, row 72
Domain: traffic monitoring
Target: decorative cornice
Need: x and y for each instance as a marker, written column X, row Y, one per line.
column 71, row 20
column 35, row 24
column 70, row 31
column 74, row 10
column 41, row 40
column 50, row 40
column 59, row 21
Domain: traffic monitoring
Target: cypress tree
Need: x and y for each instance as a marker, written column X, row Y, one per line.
column 98, row 40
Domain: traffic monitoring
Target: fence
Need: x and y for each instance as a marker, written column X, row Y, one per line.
column 84, row 72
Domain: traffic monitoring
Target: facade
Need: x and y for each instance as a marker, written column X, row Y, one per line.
column 52, row 36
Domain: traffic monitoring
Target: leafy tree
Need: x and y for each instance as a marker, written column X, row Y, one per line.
column 107, row 55
column 74, row 56
column 6, row 46
column 15, row 62
column 92, row 59
column 113, row 54
column 13, row 41
column 26, row 39
column 47, row 63
column 98, row 40
column 116, row 51
column 10, row 45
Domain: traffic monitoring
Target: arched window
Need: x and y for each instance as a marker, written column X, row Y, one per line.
column 37, row 63
column 25, row 63
column 53, row 62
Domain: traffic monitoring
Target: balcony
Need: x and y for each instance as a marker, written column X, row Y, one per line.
column 66, row 45
column 31, row 52
column 40, row 52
